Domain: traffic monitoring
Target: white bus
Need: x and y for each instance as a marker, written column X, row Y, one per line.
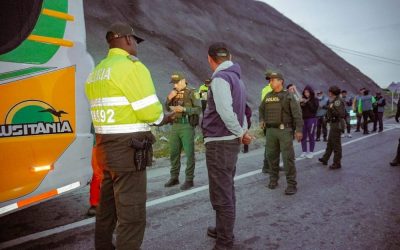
column 45, row 139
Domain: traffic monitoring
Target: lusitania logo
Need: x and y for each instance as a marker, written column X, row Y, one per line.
column 34, row 117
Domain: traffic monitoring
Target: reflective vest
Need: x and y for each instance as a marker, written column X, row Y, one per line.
column 122, row 95
column 203, row 90
column 265, row 91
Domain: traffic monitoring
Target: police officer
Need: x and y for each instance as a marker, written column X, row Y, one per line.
column 335, row 116
column 203, row 94
column 123, row 104
column 281, row 115
column 183, row 101
column 267, row 89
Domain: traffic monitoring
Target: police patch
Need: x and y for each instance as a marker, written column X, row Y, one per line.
column 337, row 103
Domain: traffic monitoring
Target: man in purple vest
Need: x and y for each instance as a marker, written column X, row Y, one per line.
column 224, row 128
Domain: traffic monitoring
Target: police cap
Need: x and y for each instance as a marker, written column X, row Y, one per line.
column 176, row 77
column 119, row 29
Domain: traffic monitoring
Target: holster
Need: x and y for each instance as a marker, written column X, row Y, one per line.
column 143, row 153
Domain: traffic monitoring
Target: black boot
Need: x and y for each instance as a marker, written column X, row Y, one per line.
column 187, row 185
column 171, row 182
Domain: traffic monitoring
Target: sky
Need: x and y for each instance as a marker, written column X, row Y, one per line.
column 371, row 27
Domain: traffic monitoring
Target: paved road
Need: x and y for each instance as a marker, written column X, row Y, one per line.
column 356, row 207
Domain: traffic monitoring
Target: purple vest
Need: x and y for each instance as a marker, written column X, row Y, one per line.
column 212, row 124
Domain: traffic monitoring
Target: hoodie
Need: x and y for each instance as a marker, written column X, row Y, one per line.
column 310, row 107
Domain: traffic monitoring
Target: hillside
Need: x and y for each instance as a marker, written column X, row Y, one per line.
column 178, row 34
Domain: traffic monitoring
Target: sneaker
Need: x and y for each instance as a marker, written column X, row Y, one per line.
column 272, row 184
column 303, row 155
column 342, row 135
column 309, row 155
column 187, row 185
column 323, row 161
column 349, row 136
column 290, row 190
column 92, row 211
column 171, row 182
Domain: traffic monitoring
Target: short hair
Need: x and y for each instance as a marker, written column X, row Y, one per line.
column 334, row 90
column 344, row 91
column 289, row 85
column 219, row 52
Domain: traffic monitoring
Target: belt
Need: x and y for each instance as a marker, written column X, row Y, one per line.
column 184, row 119
column 275, row 125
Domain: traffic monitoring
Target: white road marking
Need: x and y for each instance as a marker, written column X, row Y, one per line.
column 151, row 203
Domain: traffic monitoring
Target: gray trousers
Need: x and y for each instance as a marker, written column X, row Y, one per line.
column 221, row 158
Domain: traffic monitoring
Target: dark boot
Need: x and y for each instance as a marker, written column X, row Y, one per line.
column 212, row 232
column 172, row 182
column 272, row 184
column 322, row 161
column 335, row 166
column 187, row 185
column 290, row 190
column 92, row 211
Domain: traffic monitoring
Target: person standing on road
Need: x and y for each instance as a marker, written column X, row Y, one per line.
column 396, row 160
column 203, row 90
column 335, row 115
column 348, row 104
column 182, row 100
column 357, row 110
column 281, row 114
column 224, row 128
column 123, row 104
column 267, row 89
column 379, row 108
column 366, row 104
column 323, row 102
column 309, row 107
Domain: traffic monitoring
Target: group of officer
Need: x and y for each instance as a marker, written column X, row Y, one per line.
column 124, row 105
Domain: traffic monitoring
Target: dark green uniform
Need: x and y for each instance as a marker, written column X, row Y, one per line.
column 335, row 116
column 182, row 132
column 282, row 115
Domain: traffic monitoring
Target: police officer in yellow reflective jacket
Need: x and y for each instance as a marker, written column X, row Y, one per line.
column 183, row 101
column 280, row 114
column 203, row 94
column 335, row 116
column 123, row 105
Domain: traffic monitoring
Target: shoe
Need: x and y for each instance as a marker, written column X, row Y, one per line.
column 335, row 166
column 212, row 232
column 342, row 135
column 303, row 155
column 317, row 139
column 394, row 163
column 265, row 170
column 325, row 140
column 323, row 161
column 91, row 211
column 187, row 185
column 171, row 182
column 349, row 136
column 309, row 155
column 272, row 184
column 380, row 130
column 290, row 190
column 357, row 130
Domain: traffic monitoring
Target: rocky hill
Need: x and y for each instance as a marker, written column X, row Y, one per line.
column 178, row 34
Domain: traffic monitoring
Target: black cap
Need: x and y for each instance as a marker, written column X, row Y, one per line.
column 119, row 29
column 334, row 90
column 218, row 50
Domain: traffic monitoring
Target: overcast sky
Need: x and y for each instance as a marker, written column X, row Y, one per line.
column 367, row 26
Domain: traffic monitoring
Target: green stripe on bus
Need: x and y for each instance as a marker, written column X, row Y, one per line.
column 22, row 72
column 36, row 52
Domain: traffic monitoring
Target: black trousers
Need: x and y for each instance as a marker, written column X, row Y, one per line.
column 221, row 158
column 378, row 119
column 367, row 114
column 359, row 117
column 334, row 145
column 321, row 124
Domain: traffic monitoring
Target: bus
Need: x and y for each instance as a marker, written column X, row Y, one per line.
column 45, row 139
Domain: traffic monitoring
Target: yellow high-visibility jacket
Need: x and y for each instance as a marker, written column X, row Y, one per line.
column 122, row 95
column 265, row 91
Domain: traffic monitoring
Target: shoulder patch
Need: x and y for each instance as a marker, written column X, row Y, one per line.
column 337, row 103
